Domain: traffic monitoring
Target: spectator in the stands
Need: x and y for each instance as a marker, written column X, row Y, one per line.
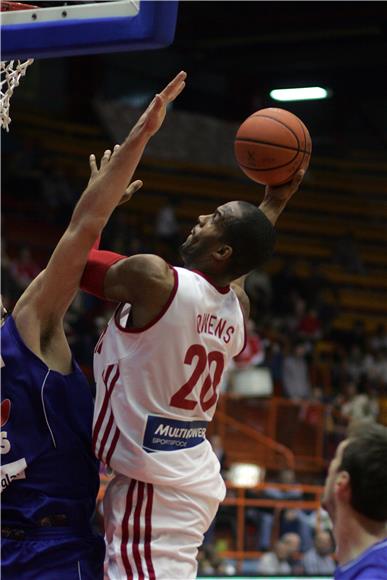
column 316, row 519
column 295, row 378
column 309, row 326
column 295, row 522
column 208, row 562
column 319, row 560
column 351, row 406
column 296, row 386
column 274, row 358
column 293, row 543
column 368, row 362
column 360, row 406
column 243, row 378
column 275, row 562
column 355, row 363
column 294, row 317
column 291, row 520
column 340, row 410
column 254, row 351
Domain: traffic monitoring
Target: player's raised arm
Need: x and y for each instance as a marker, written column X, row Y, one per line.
column 46, row 300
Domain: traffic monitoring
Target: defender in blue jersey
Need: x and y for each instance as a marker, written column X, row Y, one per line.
column 370, row 565
column 355, row 497
column 49, row 477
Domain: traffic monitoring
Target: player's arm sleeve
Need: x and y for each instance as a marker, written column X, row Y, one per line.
column 98, row 264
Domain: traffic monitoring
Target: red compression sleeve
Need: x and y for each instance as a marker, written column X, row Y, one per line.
column 98, row 263
column 96, row 243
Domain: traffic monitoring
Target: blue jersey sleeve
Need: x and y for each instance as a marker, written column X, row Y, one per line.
column 371, row 565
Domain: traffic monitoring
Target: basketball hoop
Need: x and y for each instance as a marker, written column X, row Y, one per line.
column 11, row 71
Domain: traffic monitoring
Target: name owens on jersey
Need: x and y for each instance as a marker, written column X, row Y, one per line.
column 157, row 387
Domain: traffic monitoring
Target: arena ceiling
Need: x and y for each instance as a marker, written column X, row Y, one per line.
column 235, row 52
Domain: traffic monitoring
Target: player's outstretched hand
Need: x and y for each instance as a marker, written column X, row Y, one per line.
column 152, row 119
column 95, row 171
column 282, row 193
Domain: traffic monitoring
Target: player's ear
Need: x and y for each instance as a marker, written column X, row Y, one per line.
column 222, row 253
column 343, row 486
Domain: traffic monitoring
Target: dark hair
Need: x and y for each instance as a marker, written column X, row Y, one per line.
column 365, row 459
column 252, row 238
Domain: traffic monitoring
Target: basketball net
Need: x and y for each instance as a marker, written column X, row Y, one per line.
column 11, row 71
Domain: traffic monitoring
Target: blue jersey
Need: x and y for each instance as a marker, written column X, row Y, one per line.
column 48, row 467
column 370, row 565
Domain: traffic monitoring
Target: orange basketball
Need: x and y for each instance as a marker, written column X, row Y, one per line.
column 272, row 145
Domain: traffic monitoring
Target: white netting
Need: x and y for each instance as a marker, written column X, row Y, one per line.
column 11, row 73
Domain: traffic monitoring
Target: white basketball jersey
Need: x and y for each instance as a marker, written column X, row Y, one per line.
column 157, row 387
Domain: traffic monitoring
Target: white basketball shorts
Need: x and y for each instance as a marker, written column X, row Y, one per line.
column 153, row 532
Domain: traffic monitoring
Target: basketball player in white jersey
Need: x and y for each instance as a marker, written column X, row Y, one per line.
column 158, row 367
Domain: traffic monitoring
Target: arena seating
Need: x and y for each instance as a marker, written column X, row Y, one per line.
column 339, row 197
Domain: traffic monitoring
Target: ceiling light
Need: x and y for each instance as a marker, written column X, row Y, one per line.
column 300, row 94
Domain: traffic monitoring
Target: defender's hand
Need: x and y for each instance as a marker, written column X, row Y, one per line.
column 95, row 171
column 152, row 119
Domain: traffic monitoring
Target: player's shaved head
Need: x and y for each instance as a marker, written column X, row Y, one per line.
column 249, row 233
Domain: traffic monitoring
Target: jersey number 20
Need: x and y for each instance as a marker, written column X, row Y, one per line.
column 203, row 362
